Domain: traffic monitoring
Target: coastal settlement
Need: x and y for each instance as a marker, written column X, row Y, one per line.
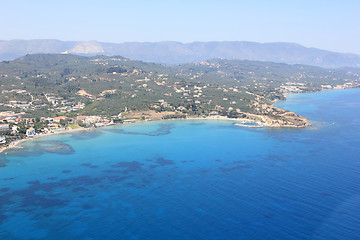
column 47, row 94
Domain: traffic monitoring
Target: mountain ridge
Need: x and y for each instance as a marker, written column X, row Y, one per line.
column 172, row 52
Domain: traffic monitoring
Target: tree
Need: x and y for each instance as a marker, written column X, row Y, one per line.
column 81, row 124
column 63, row 122
column 232, row 114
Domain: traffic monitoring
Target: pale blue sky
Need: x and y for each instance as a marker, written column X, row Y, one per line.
column 327, row 24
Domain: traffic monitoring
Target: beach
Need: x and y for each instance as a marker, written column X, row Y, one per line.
column 257, row 121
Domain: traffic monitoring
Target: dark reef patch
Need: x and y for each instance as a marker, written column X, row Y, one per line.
column 160, row 162
column 30, row 197
column 5, row 189
column 325, row 194
column 37, row 148
column 2, row 218
column 275, row 158
column 79, row 189
column 229, row 169
column 86, row 206
column 117, row 179
column 54, row 195
column 164, row 162
column 130, row 184
column 269, row 215
column 163, row 129
column 146, row 181
column 66, row 171
column 57, row 147
column 8, row 179
column 133, row 166
column 89, row 165
column 47, row 215
column 34, row 182
column 342, row 213
column 84, row 135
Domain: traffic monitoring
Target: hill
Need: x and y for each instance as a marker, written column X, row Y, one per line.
column 179, row 53
column 43, row 85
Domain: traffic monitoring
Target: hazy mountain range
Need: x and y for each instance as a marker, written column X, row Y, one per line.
column 176, row 52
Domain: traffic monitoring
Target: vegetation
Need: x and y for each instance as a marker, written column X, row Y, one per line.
column 49, row 85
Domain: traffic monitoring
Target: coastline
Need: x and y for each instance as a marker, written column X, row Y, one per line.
column 243, row 122
column 290, row 120
column 17, row 142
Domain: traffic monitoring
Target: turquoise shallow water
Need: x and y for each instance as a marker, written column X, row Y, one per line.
column 191, row 179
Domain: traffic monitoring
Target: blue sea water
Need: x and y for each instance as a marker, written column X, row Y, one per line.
column 191, row 179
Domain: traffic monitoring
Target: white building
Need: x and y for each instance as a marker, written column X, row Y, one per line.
column 30, row 132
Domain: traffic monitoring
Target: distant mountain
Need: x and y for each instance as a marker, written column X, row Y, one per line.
column 178, row 53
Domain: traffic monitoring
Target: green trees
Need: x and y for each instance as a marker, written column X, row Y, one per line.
column 22, row 128
column 81, row 124
column 63, row 122
column 232, row 114
column 175, row 116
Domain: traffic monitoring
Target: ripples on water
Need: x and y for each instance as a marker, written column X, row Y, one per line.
column 190, row 180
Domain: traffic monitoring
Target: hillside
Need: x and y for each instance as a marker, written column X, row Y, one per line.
column 43, row 85
column 179, row 53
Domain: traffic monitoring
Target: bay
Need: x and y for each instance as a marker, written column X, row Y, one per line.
column 191, row 179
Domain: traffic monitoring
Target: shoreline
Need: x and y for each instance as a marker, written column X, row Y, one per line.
column 260, row 120
column 240, row 122
column 15, row 144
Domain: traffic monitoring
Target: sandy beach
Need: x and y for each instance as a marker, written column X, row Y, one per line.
column 15, row 144
column 152, row 116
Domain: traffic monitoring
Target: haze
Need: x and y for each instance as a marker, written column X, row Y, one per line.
column 330, row 25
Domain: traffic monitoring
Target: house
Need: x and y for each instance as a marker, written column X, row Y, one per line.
column 30, row 132
column 4, row 127
column 57, row 119
column 88, row 119
column 92, row 119
column 23, row 105
column 14, row 129
column 81, row 118
column 37, row 101
column 25, row 120
column 164, row 104
column 2, row 140
column 18, row 91
column 112, row 91
column 181, row 108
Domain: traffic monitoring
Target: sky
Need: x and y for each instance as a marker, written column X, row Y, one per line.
column 327, row 24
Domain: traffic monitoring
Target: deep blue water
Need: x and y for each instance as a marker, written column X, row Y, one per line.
column 192, row 179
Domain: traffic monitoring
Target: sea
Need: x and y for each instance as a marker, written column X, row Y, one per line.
column 191, row 179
